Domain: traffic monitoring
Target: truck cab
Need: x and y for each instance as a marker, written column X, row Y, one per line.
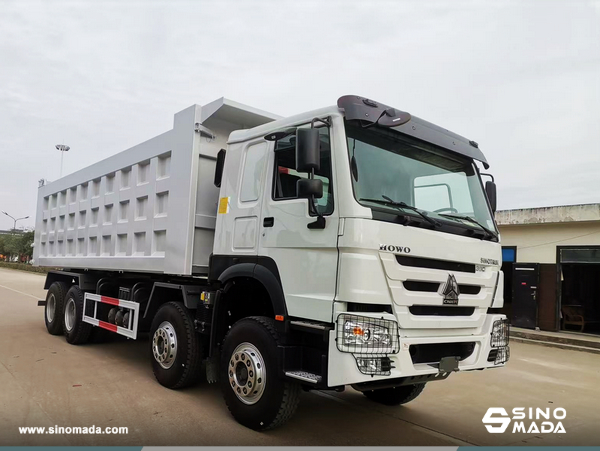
column 397, row 253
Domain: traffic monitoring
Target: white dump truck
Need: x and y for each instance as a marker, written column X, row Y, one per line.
column 350, row 245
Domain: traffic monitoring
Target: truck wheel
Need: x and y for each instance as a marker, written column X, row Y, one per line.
column 254, row 392
column 76, row 331
column 175, row 347
column 53, row 312
column 396, row 395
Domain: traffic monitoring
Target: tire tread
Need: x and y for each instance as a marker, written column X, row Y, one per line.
column 82, row 329
column 62, row 289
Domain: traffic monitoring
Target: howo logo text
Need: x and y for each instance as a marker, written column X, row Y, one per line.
column 548, row 424
column 392, row 248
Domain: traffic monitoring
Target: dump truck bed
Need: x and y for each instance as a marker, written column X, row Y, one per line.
column 150, row 208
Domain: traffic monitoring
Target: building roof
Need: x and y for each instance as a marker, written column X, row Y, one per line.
column 549, row 215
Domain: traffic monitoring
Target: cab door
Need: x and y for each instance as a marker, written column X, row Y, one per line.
column 307, row 259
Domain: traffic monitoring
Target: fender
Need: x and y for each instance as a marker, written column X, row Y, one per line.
column 87, row 282
column 163, row 291
column 268, row 276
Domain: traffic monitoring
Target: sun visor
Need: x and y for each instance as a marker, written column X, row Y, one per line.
column 370, row 112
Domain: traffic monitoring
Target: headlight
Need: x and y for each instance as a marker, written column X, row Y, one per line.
column 500, row 333
column 364, row 335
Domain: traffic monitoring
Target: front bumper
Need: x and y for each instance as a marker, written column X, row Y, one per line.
column 343, row 368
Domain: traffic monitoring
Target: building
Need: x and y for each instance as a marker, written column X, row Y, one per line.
column 551, row 262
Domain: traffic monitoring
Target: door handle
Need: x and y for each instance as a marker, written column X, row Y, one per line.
column 268, row 222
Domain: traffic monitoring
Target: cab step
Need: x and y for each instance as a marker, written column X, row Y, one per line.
column 304, row 376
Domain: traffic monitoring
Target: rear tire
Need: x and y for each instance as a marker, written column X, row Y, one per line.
column 76, row 331
column 53, row 311
column 254, row 392
column 175, row 347
column 396, row 395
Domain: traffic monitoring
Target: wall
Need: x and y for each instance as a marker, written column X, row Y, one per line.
column 564, row 213
column 536, row 243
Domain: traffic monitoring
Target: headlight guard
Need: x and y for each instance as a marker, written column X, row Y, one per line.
column 367, row 335
column 500, row 333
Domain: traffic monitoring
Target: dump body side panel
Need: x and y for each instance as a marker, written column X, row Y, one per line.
column 127, row 212
column 150, row 208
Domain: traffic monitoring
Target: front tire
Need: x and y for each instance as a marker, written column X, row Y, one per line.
column 53, row 311
column 396, row 395
column 76, row 331
column 175, row 347
column 254, row 392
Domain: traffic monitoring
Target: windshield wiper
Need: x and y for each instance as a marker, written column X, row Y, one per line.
column 487, row 231
column 388, row 201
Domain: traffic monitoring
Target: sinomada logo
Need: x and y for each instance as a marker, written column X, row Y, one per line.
column 545, row 421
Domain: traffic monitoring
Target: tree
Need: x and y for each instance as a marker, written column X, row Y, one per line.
column 24, row 244
column 3, row 245
column 18, row 245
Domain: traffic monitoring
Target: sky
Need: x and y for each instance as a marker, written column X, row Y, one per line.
column 522, row 78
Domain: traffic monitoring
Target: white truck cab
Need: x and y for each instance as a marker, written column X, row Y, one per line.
column 352, row 245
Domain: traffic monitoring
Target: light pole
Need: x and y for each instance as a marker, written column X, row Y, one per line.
column 62, row 149
column 15, row 220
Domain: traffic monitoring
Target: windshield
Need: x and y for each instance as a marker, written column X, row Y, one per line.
column 390, row 165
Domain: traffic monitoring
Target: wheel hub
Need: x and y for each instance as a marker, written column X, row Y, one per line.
column 164, row 345
column 70, row 314
column 247, row 375
column 51, row 308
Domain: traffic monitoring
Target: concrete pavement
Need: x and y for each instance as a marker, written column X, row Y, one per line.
column 46, row 382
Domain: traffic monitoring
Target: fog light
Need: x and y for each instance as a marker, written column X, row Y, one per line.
column 380, row 366
column 500, row 332
column 502, row 356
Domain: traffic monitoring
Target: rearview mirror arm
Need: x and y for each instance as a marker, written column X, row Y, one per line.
column 312, row 208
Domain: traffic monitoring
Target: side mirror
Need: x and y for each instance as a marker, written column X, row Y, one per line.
column 490, row 191
column 310, row 188
column 308, row 150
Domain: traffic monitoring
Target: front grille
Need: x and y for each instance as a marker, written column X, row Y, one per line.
column 469, row 289
column 430, row 263
column 373, row 308
column 434, row 352
column 433, row 287
column 429, row 287
column 439, row 310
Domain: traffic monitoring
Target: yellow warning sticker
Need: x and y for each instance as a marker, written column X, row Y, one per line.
column 223, row 205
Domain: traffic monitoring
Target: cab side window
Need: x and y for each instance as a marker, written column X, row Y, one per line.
column 286, row 176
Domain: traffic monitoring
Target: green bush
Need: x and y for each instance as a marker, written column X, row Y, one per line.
column 25, row 267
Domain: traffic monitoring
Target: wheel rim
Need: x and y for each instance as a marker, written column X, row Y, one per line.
column 247, row 373
column 70, row 314
column 50, row 308
column 164, row 345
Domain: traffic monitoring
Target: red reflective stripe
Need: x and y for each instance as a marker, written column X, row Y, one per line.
column 107, row 300
column 107, row 326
